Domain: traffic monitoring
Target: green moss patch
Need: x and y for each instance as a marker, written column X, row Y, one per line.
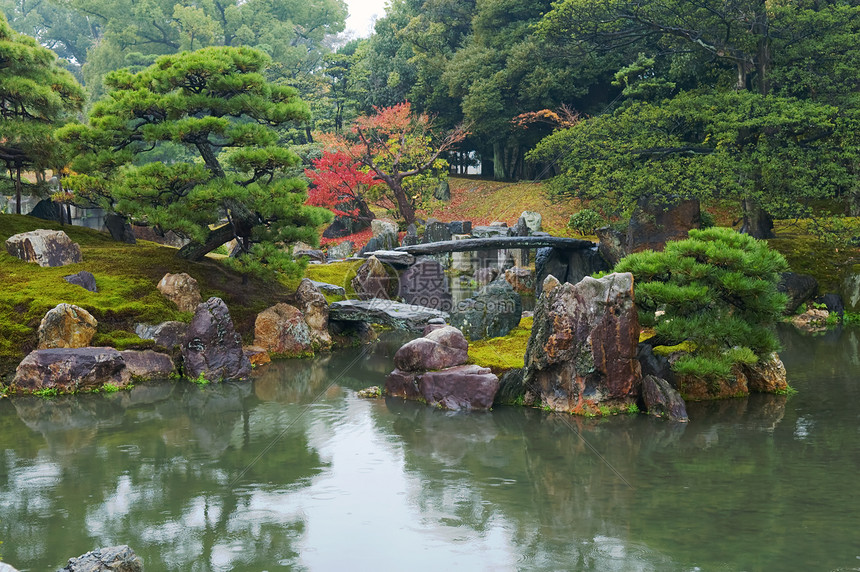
column 127, row 276
column 806, row 254
column 502, row 354
column 337, row 273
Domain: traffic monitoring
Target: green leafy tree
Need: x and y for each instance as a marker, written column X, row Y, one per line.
column 774, row 57
column 36, row 95
column 218, row 106
column 717, row 291
column 779, row 153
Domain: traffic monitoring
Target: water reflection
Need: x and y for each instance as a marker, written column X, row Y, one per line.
column 292, row 471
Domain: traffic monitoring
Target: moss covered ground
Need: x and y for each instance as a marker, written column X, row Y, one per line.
column 502, row 354
column 126, row 276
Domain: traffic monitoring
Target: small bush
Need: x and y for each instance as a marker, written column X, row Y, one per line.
column 585, row 221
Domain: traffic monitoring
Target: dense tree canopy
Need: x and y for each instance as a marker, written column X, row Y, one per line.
column 36, row 95
column 216, row 104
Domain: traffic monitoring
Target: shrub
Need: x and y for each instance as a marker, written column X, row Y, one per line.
column 585, row 221
column 716, row 291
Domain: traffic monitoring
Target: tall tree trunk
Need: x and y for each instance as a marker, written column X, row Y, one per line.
column 18, row 189
column 403, row 204
column 498, row 161
column 757, row 222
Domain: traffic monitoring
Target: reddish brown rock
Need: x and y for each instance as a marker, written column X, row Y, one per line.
column 439, row 349
column 583, row 346
column 71, row 369
column 699, row 389
column 182, row 290
column 258, row 356
column 655, row 222
column 66, row 326
column 767, row 376
column 47, row 248
column 212, row 347
column 147, row 365
column 466, row 387
column 282, row 331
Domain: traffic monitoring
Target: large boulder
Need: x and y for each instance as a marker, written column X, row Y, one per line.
column 71, row 369
column 283, row 332
column 425, row 284
column 612, row 245
column 182, row 290
column 213, row 348
column 849, row 288
column 800, row 288
column 84, row 279
column 384, row 237
column 341, row 250
column 443, row 191
column 492, row 312
column 47, row 248
column 147, row 365
column 439, row 349
column 466, row 387
column 395, row 314
column 693, row 388
column 532, row 220
column 119, row 228
column 374, row 281
column 582, row 349
column 66, row 326
column 656, row 221
column 314, row 308
column 110, row 559
column 662, row 400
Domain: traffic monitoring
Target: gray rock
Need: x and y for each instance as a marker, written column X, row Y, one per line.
column 512, row 388
column 313, row 254
column 442, row 192
column 70, row 369
column 7, row 568
column 490, row 231
column 166, row 334
column 47, row 248
column 212, row 347
column 612, row 245
column 392, row 257
column 662, row 400
column 800, row 288
column 314, row 308
column 385, row 312
column 533, row 221
column 425, row 284
column 384, row 242
column 110, row 559
column 492, row 312
column 346, row 225
column 147, row 365
column 119, row 228
column 83, row 279
column 329, row 289
column 833, row 303
column 342, row 250
column 582, row 349
column 521, row 228
column 460, row 227
column 373, row 280
column 382, row 227
column 437, row 232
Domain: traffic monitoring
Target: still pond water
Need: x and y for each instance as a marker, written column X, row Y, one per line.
column 293, row 471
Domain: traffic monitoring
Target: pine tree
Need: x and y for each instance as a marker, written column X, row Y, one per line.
column 36, row 95
column 717, row 290
column 214, row 112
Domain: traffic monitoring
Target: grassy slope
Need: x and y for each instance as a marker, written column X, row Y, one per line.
column 126, row 275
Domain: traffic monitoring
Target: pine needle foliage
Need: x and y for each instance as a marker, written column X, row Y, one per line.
column 232, row 179
column 717, row 291
column 36, row 96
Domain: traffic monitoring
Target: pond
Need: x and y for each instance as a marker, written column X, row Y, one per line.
column 293, row 471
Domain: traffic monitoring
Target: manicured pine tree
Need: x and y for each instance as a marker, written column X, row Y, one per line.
column 36, row 95
column 716, row 290
column 231, row 180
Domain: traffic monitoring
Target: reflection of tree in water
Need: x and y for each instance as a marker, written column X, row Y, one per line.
column 153, row 469
column 565, row 506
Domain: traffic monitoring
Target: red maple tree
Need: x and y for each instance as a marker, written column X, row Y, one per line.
column 337, row 180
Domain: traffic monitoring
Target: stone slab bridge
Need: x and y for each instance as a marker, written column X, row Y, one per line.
column 497, row 243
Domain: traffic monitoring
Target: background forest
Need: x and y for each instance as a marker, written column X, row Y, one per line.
column 752, row 102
